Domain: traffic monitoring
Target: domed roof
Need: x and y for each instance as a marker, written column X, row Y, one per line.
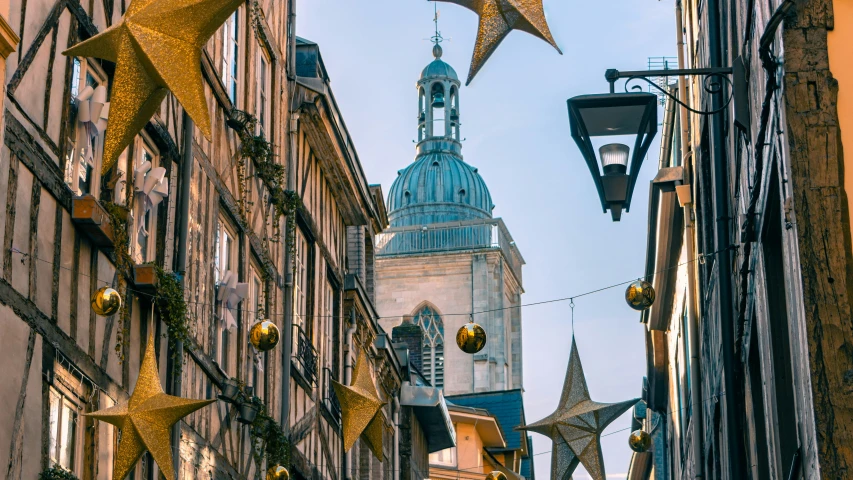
column 438, row 187
column 437, row 68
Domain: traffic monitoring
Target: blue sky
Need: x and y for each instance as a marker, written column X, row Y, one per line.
column 514, row 118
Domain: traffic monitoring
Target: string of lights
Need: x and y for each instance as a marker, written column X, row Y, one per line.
column 153, row 296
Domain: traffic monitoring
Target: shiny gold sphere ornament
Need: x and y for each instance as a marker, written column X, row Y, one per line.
column 264, row 336
column 640, row 295
column 496, row 475
column 106, row 301
column 277, row 472
column 471, row 338
column 640, row 441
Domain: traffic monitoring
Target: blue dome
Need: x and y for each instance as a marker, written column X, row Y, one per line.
column 438, row 187
column 437, row 68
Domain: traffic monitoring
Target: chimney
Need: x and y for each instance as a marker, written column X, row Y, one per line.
column 412, row 336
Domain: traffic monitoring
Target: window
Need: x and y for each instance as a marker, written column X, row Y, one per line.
column 230, row 55
column 446, row 457
column 302, row 286
column 433, row 353
column 145, row 230
column 225, row 259
column 256, row 310
column 84, row 140
column 63, row 431
column 264, row 88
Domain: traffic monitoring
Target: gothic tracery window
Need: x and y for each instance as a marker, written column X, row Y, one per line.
column 433, row 345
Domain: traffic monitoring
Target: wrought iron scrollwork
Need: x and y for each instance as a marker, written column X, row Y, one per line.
column 713, row 83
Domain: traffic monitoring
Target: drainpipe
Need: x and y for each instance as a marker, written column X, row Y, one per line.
column 287, row 343
column 348, row 468
column 697, row 418
column 395, row 405
column 734, row 430
column 183, row 220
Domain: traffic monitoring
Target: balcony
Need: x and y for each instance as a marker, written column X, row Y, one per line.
column 449, row 237
column 304, row 357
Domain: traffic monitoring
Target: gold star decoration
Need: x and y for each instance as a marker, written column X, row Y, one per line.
column 576, row 426
column 361, row 408
column 146, row 421
column 156, row 47
column 497, row 19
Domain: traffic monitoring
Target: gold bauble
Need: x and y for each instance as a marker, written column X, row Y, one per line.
column 471, row 338
column 106, row 301
column 640, row 441
column 640, row 295
column 496, row 475
column 277, row 472
column 264, row 336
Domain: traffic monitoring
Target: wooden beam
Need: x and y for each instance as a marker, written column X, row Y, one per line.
column 38, row 321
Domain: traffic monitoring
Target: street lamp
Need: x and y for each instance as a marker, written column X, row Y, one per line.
column 607, row 115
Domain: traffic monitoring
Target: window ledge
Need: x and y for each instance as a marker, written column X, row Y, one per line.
column 91, row 218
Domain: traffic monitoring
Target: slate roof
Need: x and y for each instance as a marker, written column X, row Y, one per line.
column 506, row 406
column 527, row 462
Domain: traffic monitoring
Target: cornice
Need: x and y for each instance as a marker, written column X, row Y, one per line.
column 8, row 39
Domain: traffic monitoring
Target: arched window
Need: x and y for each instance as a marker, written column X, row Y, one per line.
column 433, row 346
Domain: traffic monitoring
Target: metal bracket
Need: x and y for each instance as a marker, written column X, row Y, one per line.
column 715, row 82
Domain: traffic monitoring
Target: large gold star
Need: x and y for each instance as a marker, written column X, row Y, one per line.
column 156, row 47
column 497, row 19
column 146, row 420
column 360, row 408
column 575, row 427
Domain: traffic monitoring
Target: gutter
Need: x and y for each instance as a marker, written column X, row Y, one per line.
column 694, row 352
column 183, row 217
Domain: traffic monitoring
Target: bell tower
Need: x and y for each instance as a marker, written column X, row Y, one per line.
column 438, row 97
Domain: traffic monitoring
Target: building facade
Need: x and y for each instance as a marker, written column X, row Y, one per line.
column 749, row 342
column 222, row 236
column 445, row 260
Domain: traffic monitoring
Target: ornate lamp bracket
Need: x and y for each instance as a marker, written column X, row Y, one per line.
column 716, row 82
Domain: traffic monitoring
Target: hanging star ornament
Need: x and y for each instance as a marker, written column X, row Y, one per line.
column 360, row 408
column 147, row 419
column 576, row 426
column 157, row 48
column 497, row 19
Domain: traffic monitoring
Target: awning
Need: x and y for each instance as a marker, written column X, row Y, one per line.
column 431, row 411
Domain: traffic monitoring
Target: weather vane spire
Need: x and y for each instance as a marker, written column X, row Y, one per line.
column 437, row 38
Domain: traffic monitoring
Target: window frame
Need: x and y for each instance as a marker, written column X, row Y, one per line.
column 262, row 94
column 223, row 338
column 230, row 74
column 76, row 137
column 304, row 282
column 144, row 145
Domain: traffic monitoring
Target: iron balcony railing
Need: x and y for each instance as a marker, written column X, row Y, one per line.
column 330, row 399
column 305, row 355
column 448, row 237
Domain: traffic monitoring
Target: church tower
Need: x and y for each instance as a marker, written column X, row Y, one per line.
column 445, row 260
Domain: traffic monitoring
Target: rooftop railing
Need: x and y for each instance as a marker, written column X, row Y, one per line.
column 448, row 237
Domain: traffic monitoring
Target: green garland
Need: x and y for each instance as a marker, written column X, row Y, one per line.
column 57, row 473
column 260, row 152
column 275, row 444
column 121, row 242
column 172, row 309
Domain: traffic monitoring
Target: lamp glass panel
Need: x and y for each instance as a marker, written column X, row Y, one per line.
column 614, row 154
column 618, row 120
